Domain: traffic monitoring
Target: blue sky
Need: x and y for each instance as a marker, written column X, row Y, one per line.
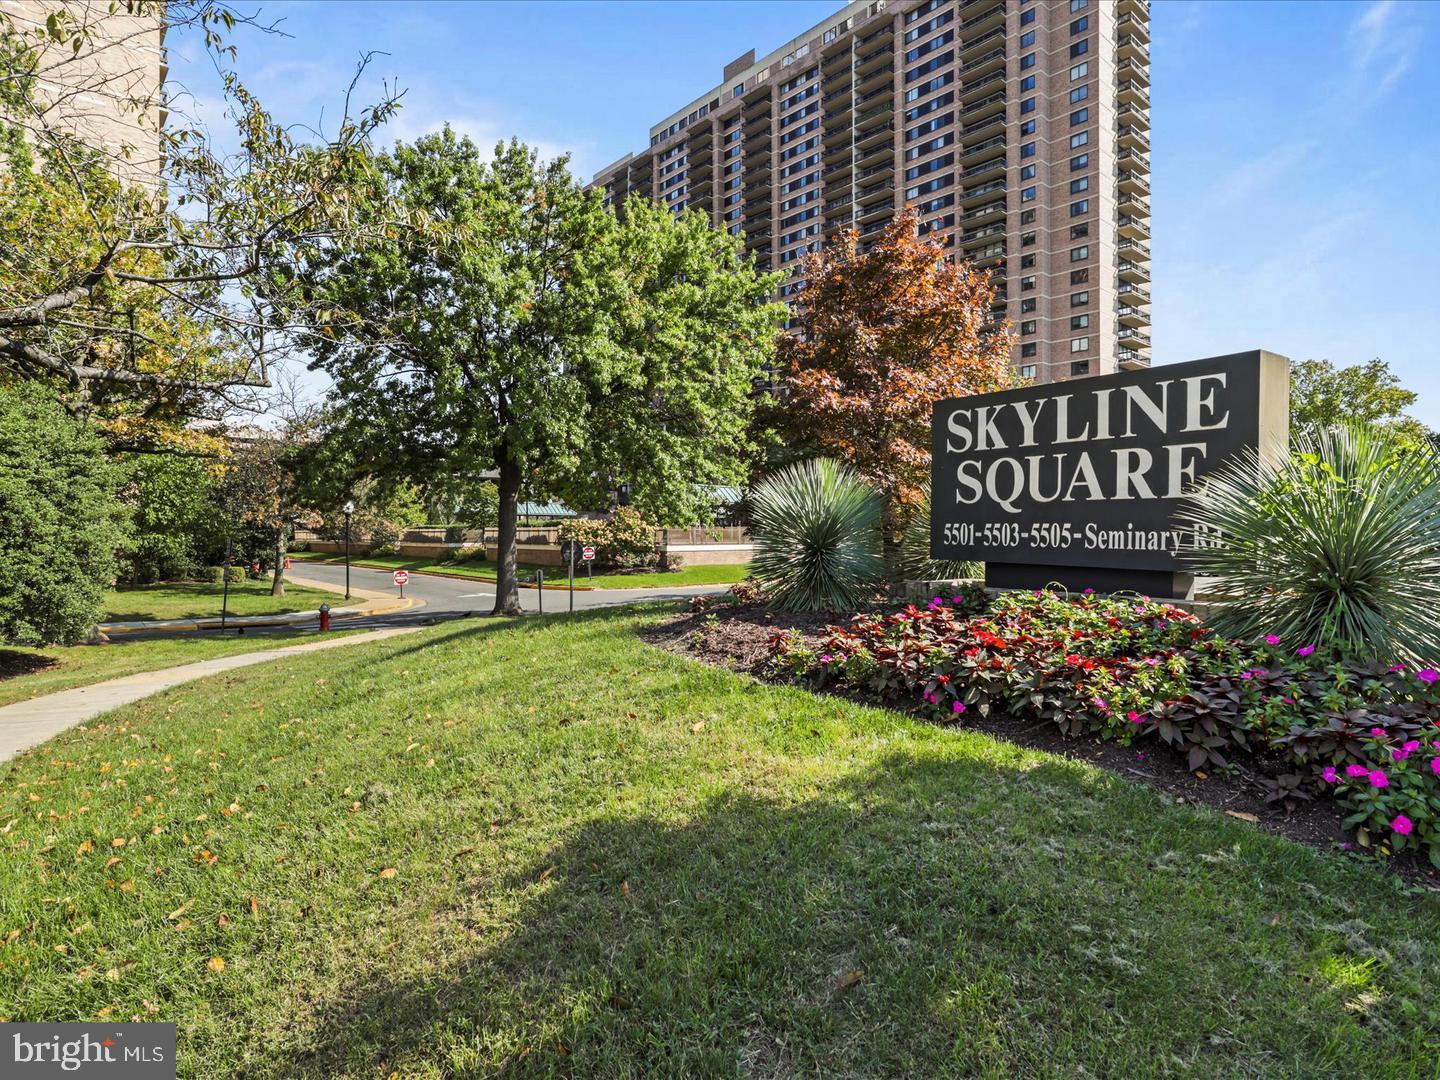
column 1296, row 144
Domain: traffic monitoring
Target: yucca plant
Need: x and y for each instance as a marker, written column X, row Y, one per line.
column 816, row 530
column 1336, row 546
column 916, row 562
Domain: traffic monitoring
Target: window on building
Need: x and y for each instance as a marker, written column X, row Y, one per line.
column 1027, row 39
column 1078, row 5
column 1029, row 349
column 1079, row 116
column 1027, row 172
column 1080, row 277
column 1027, row 194
column 1027, row 105
column 1027, row 371
column 1080, row 367
column 1027, row 327
column 1027, row 61
column 1079, row 161
column 1079, row 344
column 1027, row 128
column 1080, row 48
column 1080, row 25
column 1080, row 299
column 1080, row 254
column 1027, row 17
column 1027, row 283
column 1027, row 84
column 1027, row 150
column 1080, row 93
column 1079, row 322
column 1027, row 239
column 1079, row 184
column 1079, row 207
column 1079, row 139
column 1079, row 231
column 1079, row 71
column 1027, row 262
column 1027, row 217
column 1028, row 305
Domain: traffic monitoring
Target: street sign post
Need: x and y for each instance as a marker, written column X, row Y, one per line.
column 402, row 578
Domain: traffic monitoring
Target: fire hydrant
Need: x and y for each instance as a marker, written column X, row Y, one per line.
column 324, row 617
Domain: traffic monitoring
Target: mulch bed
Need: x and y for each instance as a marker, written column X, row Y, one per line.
column 738, row 638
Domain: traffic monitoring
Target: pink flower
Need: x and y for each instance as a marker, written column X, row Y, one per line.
column 1411, row 745
column 1379, row 779
column 826, row 658
column 1399, row 755
column 1246, row 675
column 958, row 707
column 1288, row 701
column 1427, row 675
column 1329, row 774
column 1305, row 650
column 1100, row 704
column 1402, row 825
column 1395, row 669
column 1378, row 732
column 1356, row 771
column 1152, row 660
column 1134, row 717
column 1272, row 639
column 1088, row 591
column 1435, row 766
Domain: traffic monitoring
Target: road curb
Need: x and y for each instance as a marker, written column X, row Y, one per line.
column 380, row 605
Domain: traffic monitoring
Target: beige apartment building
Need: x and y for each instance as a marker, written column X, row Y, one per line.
column 111, row 92
column 1018, row 129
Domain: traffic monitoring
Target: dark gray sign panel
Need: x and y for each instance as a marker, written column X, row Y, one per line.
column 1090, row 473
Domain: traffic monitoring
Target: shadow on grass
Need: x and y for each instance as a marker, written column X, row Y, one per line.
column 904, row 922
column 14, row 663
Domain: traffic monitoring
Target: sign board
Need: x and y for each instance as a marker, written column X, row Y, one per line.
column 587, row 552
column 402, row 577
column 1090, row 473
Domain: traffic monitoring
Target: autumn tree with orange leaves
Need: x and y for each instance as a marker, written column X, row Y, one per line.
column 886, row 333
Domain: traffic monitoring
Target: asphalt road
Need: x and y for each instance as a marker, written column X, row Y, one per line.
column 448, row 597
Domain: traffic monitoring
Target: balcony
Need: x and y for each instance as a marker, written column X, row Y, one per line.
column 1131, row 360
column 989, row 146
column 993, row 16
column 833, row 150
column 988, row 61
column 878, row 221
column 885, row 30
column 758, row 168
column 991, row 255
column 1132, row 160
column 874, row 154
column 866, row 121
column 1134, row 339
column 1131, row 294
column 1132, row 272
column 1130, row 92
column 1133, row 47
column 1133, row 116
column 988, row 212
column 883, row 167
column 839, row 173
column 974, row 45
column 985, row 168
column 1129, row 315
column 995, row 103
column 836, row 204
column 832, row 60
column 1138, row 8
column 1134, row 251
column 872, row 60
column 1133, row 138
column 866, row 139
column 1132, row 183
column 1129, row 23
column 887, row 91
column 974, row 194
column 984, row 83
column 880, row 76
column 1133, row 71
column 973, row 235
column 756, row 106
column 1132, row 228
column 983, row 127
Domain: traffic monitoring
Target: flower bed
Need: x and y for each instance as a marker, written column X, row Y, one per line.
column 1128, row 669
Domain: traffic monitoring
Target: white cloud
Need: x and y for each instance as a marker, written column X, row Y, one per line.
column 1383, row 47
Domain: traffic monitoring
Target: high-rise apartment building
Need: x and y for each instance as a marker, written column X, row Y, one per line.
column 1018, row 129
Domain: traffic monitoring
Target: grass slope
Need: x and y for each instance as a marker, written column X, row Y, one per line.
column 201, row 599
column 483, row 570
column 549, row 848
column 28, row 673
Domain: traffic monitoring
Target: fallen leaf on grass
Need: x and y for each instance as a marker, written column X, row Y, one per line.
column 698, row 726
column 86, row 846
column 180, row 910
column 388, row 872
column 545, row 874
column 847, row 979
column 1241, row 816
column 254, row 906
column 216, row 963
column 223, row 921
column 625, row 888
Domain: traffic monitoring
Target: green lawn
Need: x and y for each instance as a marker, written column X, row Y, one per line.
column 547, row 848
column 200, row 599
column 484, row 570
column 27, row 673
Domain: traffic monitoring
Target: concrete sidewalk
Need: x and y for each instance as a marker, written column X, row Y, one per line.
column 380, row 604
column 29, row 723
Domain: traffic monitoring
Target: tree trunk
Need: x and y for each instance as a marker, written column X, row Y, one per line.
column 277, row 586
column 507, row 588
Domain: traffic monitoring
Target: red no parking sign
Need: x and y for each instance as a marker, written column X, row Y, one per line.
column 402, row 578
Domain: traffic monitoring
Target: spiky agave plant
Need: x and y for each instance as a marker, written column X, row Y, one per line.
column 816, row 530
column 1337, row 545
column 916, row 562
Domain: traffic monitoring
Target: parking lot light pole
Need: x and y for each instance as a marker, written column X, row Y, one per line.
column 349, row 509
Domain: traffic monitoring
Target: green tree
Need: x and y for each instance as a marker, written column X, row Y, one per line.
column 176, row 519
column 1325, row 396
column 533, row 335
column 60, row 520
